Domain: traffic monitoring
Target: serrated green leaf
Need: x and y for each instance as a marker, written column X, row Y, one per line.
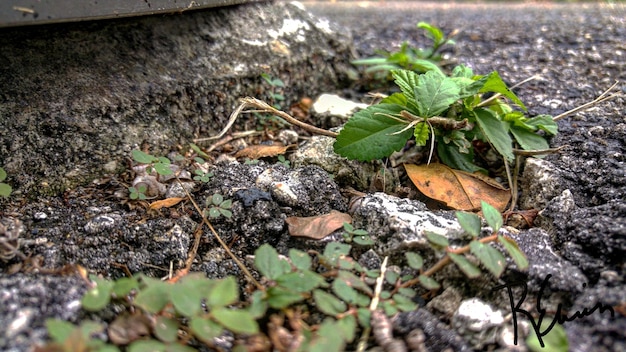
column 496, row 132
column 223, row 293
column 266, row 260
column 147, row 345
column 334, row 251
column 490, row 257
column 328, row 304
column 492, row 216
column 395, row 98
column 124, row 286
column 414, row 260
column 300, row 281
column 428, row 283
column 470, row 270
column 237, row 321
column 437, row 239
column 495, row 84
column 462, row 71
column 141, row 157
column 404, row 303
column 258, row 304
column 354, row 281
column 407, row 81
column 516, row 254
column 529, row 140
column 421, row 133
column 451, row 156
column 186, row 299
column 301, row 260
column 153, row 298
column 435, row 93
column 98, row 297
column 469, row 222
column 205, row 329
column 344, row 291
column 369, row 133
column 279, row 298
column 545, row 123
column 166, row 329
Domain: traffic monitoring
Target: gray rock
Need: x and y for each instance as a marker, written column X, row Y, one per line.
column 477, row 322
column 77, row 97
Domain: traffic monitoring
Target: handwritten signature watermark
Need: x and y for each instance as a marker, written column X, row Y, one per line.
column 559, row 317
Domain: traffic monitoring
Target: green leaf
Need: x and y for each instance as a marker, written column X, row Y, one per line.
column 5, row 190
column 414, row 260
column 470, row 270
column 166, row 329
column 328, row 303
column 238, row 321
column 423, row 65
column 146, row 345
column 141, row 157
column 370, row 61
column 490, row 257
column 437, row 239
column 301, row 260
column 496, row 133
column 266, row 260
column 451, row 156
column 529, row 140
column 516, row 254
column 186, row 298
column 404, row 303
column 153, row 298
column 124, row 286
column 421, row 133
column 258, row 304
column 462, row 71
column 347, row 326
column 555, row 340
column 407, row 81
column 428, row 283
column 279, row 297
column 344, row 291
column 98, row 297
column 408, row 292
column 205, row 329
column 3, row 174
column 492, row 216
column 223, row 293
column 175, row 347
column 469, row 222
column 363, row 240
column 300, row 281
column 369, row 133
column 433, row 32
column 364, row 316
column 225, row 212
column 435, row 93
column 217, row 199
column 59, row 330
column 395, row 98
column 495, row 84
column 163, row 169
column 327, row 338
column 335, row 250
column 214, row 212
column 545, row 123
column 354, row 281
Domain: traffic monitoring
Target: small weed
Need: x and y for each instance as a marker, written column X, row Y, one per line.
column 361, row 237
column 284, row 161
column 5, row 189
column 408, row 58
column 202, row 176
column 249, row 161
column 216, row 206
column 138, row 192
column 159, row 164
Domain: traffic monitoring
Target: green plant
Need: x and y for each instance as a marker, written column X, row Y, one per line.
column 138, row 192
column 284, row 161
column 408, row 58
column 159, row 164
column 359, row 236
column 275, row 99
column 5, row 189
column 452, row 112
column 216, row 206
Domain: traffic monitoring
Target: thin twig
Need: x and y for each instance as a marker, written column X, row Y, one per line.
column 602, row 98
column 373, row 304
column 522, row 152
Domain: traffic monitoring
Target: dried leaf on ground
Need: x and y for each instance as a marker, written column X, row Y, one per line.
column 165, row 203
column 262, row 151
column 457, row 189
column 317, row 227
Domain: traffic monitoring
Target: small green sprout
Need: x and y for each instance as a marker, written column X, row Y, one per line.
column 202, row 175
column 138, row 192
column 284, row 161
column 359, row 236
column 217, row 206
column 160, row 164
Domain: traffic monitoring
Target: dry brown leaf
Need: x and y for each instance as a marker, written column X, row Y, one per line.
column 165, row 203
column 457, row 189
column 261, row 151
column 317, row 227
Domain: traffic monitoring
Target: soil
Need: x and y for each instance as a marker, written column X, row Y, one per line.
column 578, row 51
